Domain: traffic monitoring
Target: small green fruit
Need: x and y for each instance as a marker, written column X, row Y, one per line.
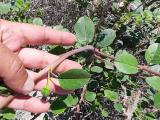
column 45, row 91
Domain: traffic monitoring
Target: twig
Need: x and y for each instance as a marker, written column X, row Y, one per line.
column 144, row 68
column 103, row 60
column 104, row 55
column 82, row 94
column 55, row 64
column 82, row 98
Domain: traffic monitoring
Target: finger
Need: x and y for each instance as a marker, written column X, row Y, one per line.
column 33, row 58
column 28, row 103
column 13, row 72
column 37, row 35
column 53, row 87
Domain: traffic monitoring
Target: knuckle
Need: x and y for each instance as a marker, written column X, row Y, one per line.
column 16, row 67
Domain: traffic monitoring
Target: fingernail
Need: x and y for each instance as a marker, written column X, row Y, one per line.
column 28, row 85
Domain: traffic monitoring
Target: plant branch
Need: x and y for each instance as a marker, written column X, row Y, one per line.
column 57, row 62
column 103, row 60
column 81, row 98
column 104, row 55
column 52, row 66
column 144, row 68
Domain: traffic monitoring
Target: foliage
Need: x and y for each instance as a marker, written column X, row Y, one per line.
column 129, row 39
column 73, row 79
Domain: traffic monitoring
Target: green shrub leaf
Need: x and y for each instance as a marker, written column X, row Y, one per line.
column 108, row 37
column 8, row 114
column 118, row 107
column 4, row 8
column 37, row 21
column 96, row 69
column 157, row 100
column 152, row 54
column 58, row 106
column 104, row 113
column 84, row 29
column 74, row 79
column 4, row 91
column 60, row 28
column 111, row 95
column 126, row 63
column 154, row 82
column 71, row 100
column 90, row 96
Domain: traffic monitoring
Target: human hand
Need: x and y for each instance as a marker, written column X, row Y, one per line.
column 15, row 60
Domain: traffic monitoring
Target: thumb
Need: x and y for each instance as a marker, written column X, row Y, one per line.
column 13, row 72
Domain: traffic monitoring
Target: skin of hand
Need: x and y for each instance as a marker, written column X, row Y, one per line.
column 16, row 61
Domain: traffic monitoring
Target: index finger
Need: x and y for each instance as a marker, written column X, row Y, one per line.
column 38, row 35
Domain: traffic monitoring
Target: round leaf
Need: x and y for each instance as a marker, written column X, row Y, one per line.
column 118, row 107
column 71, row 100
column 84, row 29
column 108, row 37
column 126, row 63
column 60, row 28
column 96, row 69
column 152, row 54
column 154, row 82
column 90, row 96
column 58, row 106
column 4, row 8
column 74, row 79
column 8, row 114
column 157, row 100
column 37, row 21
column 111, row 95
column 104, row 113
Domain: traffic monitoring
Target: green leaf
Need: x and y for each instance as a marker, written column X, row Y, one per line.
column 71, row 100
column 111, row 95
column 157, row 100
column 8, row 113
column 4, row 8
column 152, row 54
column 138, row 19
column 118, row 107
column 38, row 21
column 57, row 50
column 61, row 28
column 58, row 106
column 4, row 91
column 126, row 63
column 96, row 69
column 154, row 82
column 20, row 3
column 148, row 16
column 104, row 113
column 74, row 79
column 156, row 13
column 84, row 29
column 108, row 37
column 90, row 96
column 109, row 66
